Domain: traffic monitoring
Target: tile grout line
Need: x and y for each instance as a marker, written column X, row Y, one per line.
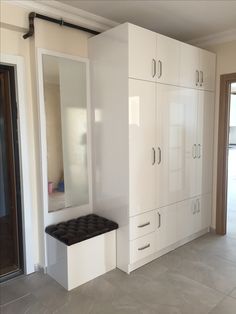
column 17, row 299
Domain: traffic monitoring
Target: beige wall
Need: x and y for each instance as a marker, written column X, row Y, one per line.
column 225, row 63
column 14, row 22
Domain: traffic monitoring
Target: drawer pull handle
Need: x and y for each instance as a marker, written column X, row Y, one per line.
column 144, row 247
column 144, row 225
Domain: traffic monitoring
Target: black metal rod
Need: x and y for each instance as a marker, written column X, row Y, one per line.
column 61, row 22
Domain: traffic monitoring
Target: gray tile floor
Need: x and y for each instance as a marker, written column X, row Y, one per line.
column 197, row 278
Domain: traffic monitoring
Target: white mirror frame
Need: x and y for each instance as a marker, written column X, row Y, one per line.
column 71, row 212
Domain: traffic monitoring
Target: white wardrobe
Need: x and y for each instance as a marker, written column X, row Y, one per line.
column 152, row 121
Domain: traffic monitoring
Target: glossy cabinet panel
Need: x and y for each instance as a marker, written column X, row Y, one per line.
column 207, row 99
column 142, row 140
column 189, row 66
column 143, row 224
column 207, row 70
column 176, row 135
column 168, row 60
column 142, row 53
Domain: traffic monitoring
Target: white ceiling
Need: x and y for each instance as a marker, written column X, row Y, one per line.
column 183, row 20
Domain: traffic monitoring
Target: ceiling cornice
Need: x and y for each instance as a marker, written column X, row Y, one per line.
column 60, row 10
column 214, row 39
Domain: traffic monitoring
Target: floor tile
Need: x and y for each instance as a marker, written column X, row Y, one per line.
column 28, row 304
column 12, row 290
column 227, row 306
column 233, row 293
column 212, row 271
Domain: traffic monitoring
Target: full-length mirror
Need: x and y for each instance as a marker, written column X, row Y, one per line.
column 65, row 100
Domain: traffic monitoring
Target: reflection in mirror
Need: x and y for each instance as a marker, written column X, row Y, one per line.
column 65, row 99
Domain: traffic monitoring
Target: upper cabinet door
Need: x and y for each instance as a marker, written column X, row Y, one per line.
column 189, row 66
column 207, row 70
column 142, row 53
column 168, row 60
column 142, row 139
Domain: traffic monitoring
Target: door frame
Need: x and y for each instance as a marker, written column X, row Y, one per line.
column 24, row 159
column 222, row 156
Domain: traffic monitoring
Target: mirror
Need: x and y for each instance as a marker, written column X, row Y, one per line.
column 65, row 100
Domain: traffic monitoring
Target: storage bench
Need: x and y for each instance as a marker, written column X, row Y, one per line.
column 80, row 249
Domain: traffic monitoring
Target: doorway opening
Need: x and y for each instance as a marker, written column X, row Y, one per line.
column 226, row 167
column 11, row 241
column 231, row 190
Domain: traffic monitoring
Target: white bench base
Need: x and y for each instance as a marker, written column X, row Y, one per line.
column 72, row 266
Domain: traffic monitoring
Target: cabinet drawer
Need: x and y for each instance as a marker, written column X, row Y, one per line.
column 142, row 247
column 143, row 224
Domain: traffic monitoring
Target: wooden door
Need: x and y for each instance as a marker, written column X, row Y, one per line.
column 10, row 209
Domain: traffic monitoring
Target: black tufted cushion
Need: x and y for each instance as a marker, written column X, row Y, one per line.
column 80, row 229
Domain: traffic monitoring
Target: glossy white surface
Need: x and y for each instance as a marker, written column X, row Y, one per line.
column 130, row 117
column 207, row 66
column 176, row 128
column 75, row 265
column 142, row 247
column 168, row 60
column 142, row 148
column 108, row 55
column 143, row 224
column 142, row 51
column 189, row 64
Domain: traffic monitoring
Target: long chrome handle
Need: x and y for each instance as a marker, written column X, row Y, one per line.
column 154, row 68
column 198, row 206
column 201, row 78
column 144, row 247
column 159, row 220
column 194, row 155
column 197, row 77
column 144, row 225
column 159, row 68
column 199, row 151
column 154, row 156
column 194, row 207
column 159, row 155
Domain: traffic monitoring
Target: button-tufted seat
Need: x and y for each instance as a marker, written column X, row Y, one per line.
column 80, row 229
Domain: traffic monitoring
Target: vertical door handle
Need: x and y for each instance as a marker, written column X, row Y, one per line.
column 159, row 156
column 201, row 78
column 159, row 220
column 154, row 68
column 154, row 156
column 199, row 151
column 194, row 207
column 159, row 68
column 197, row 77
column 198, row 205
column 194, row 149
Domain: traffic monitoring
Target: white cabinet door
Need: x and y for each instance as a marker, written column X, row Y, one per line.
column 206, row 201
column 168, row 60
column 197, row 214
column 189, row 66
column 176, row 136
column 204, row 141
column 207, row 70
column 142, row 139
column 166, row 234
column 185, row 221
column 170, row 145
column 142, row 53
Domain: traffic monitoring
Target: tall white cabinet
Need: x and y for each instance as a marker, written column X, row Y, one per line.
column 153, row 109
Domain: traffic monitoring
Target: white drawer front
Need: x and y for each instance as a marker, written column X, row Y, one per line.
column 142, row 247
column 143, row 224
